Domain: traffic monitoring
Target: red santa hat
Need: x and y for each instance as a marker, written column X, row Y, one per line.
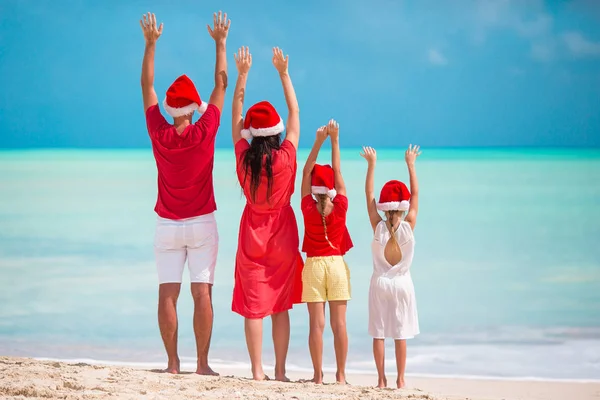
column 262, row 120
column 183, row 98
column 394, row 196
column 323, row 181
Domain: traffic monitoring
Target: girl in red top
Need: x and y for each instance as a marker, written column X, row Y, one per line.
column 268, row 263
column 325, row 276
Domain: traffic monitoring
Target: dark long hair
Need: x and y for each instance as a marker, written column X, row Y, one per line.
column 260, row 148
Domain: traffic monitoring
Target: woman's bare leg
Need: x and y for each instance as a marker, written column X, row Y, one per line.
column 379, row 354
column 253, row 328
column 281, row 341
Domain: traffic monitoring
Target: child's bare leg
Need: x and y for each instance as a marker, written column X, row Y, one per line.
column 400, row 361
column 316, row 312
column 379, row 354
column 340, row 338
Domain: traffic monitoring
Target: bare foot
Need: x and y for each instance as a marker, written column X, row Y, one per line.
column 318, row 380
column 382, row 382
column 340, row 378
column 206, row 371
column 259, row 375
column 400, row 383
column 172, row 367
column 281, row 378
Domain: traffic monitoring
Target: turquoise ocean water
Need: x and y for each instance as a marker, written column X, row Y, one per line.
column 507, row 264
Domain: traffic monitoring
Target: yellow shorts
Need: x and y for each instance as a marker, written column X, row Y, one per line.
column 325, row 279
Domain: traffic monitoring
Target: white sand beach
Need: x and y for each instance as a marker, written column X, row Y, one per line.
column 22, row 378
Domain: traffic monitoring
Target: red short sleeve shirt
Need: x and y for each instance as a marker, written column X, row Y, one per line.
column 185, row 164
column 315, row 244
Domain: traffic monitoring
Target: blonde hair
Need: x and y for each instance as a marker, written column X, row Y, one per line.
column 388, row 224
column 322, row 198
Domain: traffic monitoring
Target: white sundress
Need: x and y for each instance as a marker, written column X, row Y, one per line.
column 392, row 302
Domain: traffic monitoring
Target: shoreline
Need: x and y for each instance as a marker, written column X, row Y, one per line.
column 241, row 367
column 59, row 379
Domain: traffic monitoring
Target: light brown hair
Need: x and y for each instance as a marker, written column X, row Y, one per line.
column 322, row 199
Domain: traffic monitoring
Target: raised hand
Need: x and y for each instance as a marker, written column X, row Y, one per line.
column 369, row 154
column 243, row 60
column 279, row 61
column 322, row 134
column 151, row 32
column 333, row 129
column 220, row 28
column 411, row 154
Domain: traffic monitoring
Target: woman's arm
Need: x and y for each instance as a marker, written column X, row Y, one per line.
column 293, row 122
column 370, row 155
column 151, row 34
column 243, row 62
column 333, row 130
column 411, row 156
column 311, row 161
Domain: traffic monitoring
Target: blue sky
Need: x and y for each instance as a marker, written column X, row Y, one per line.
column 438, row 73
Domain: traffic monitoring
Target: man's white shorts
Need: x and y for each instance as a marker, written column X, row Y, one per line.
column 195, row 239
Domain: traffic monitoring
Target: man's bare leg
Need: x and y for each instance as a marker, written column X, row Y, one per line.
column 168, row 293
column 203, row 322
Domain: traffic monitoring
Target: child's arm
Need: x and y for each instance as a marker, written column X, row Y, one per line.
column 292, row 129
column 333, row 130
column 243, row 62
column 311, row 160
column 370, row 155
column 151, row 34
column 410, row 156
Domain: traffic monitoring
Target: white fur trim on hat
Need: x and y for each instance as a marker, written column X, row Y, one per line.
column 262, row 132
column 324, row 190
column 246, row 134
column 187, row 110
column 394, row 206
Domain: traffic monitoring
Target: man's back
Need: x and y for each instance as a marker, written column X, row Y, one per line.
column 185, row 164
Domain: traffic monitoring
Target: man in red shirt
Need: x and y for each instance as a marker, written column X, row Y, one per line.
column 186, row 226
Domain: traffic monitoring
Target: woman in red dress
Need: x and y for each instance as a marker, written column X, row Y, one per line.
column 268, row 265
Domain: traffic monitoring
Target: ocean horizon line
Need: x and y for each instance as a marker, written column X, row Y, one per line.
column 307, row 148
column 349, row 153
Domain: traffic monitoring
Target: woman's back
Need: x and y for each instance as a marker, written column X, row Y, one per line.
column 284, row 172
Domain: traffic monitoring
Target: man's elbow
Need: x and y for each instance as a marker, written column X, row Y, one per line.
column 221, row 80
column 220, row 85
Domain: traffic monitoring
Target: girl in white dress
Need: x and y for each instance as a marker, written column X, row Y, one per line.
column 392, row 303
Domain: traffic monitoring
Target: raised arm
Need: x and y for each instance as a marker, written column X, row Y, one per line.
column 411, row 156
column 219, row 33
column 243, row 62
column 293, row 122
column 370, row 155
column 311, row 160
column 333, row 129
column 151, row 34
